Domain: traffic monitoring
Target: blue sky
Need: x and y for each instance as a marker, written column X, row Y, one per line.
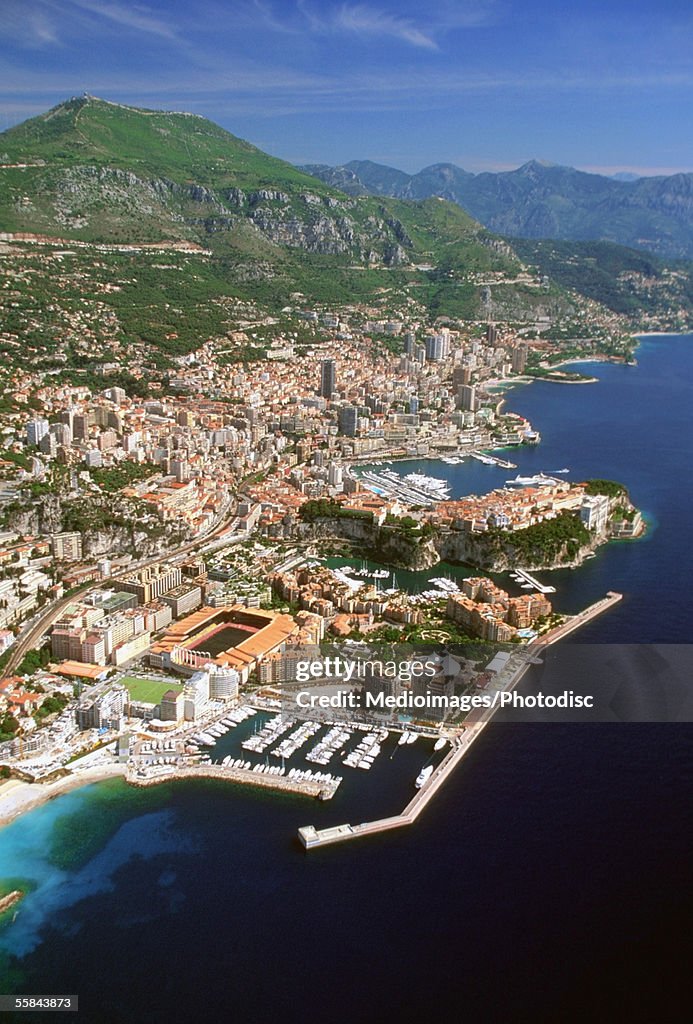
column 486, row 84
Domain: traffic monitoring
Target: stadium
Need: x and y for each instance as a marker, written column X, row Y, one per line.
column 231, row 637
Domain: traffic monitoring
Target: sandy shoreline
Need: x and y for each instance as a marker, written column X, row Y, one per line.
column 17, row 797
column 659, row 334
column 573, row 362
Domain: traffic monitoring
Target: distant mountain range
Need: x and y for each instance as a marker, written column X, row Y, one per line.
column 540, row 200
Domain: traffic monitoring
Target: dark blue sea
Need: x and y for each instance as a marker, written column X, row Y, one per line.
column 549, row 881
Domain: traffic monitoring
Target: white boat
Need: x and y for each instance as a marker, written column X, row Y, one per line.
column 403, row 739
column 540, row 480
column 412, row 737
column 423, row 776
column 440, row 743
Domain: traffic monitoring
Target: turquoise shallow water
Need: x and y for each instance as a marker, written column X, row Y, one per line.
column 69, row 850
column 550, row 880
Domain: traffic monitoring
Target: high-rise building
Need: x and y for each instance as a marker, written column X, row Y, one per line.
column 80, row 426
column 48, row 444
column 519, row 357
column 223, row 683
column 180, row 468
column 328, row 378
column 335, row 474
column 104, row 712
column 35, row 430
column 437, row 347
column 116, row 395
column 62, row 432
column 93, row 458
column 461, row 375
column 348, row 420
column 66, row 547
column 491, row 334
column 150, row 583
column 171, row 706
column 467, row 398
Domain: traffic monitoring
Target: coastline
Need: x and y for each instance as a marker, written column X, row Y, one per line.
column 16, row 797
column 579, row 361
column 659, row 334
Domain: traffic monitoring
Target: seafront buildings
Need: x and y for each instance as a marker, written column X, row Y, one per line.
column 147, row 491
column 240, row 442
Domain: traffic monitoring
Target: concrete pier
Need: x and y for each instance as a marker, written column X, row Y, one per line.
column 303, row 787
column 475, row 723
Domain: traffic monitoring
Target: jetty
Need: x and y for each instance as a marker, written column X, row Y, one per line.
column 476, row 722
column 524, row 577
column 322, row 790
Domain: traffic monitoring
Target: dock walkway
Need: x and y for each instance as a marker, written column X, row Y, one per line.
column 304, row 787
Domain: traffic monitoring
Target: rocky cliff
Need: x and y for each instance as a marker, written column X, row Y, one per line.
column 495, row 551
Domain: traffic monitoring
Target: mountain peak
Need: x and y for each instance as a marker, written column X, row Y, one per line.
column 539, row 166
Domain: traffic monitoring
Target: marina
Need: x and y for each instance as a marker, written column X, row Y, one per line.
column 270, row 732
column 428, row 783
column 415, row 488
column 365, row 752
column 297, row 739
column 329, row 745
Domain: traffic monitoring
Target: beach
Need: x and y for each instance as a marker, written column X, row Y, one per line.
column 19, row 797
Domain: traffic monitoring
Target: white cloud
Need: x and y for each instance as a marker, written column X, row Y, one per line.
column 365, row 21
column 32, row 28
column 368, row 21
column 133, row 16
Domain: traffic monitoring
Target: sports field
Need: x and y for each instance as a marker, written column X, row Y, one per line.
column 149, row 691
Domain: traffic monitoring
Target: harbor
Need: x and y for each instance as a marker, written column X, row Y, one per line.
column 311, row 837
column 414, row 488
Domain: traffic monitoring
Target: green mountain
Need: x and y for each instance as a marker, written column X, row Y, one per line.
column 542, row 200
column 97, row 172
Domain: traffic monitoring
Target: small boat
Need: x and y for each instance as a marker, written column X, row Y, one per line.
column 404, row 738
column 412, row 737
column 440, row 743
column 423, row 776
